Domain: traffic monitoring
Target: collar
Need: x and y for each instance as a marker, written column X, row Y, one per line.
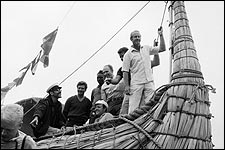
column 101, row 116
column 19, row 133
column 99, row 86
column 51, row 101
column 133, row 49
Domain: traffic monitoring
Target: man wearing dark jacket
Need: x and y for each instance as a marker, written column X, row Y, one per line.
column 48, row 117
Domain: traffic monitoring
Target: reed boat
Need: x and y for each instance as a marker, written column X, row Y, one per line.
column 177, row 116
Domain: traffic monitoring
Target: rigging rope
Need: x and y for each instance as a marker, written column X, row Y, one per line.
column 95, row 52
column 104, row 44
column 67, row 13
column 162, row 18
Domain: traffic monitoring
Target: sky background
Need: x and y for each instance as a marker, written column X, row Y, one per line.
column 86, row 28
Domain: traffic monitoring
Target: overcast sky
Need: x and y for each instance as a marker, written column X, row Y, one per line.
column 86, row 28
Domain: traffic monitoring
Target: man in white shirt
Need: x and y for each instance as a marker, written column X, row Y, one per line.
column 138, row 62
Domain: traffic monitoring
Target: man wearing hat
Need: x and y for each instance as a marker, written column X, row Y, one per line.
column 48, row 117
column 101, row 113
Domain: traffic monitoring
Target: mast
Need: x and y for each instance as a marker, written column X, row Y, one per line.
column 171, row 38
column 184, row 106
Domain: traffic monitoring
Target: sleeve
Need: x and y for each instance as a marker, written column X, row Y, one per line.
column 119, row 72
column 107, row 116
column 66, row 108
column 89, row 108
column 62, row 119
column 103, row 93
column 40, row 108
column 126, row 62
column 92, row 96
column 30, row 143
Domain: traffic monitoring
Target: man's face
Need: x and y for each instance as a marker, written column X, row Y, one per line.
column 81, row 89
column 107, row 72
column 136, row 38
column 99, row 109
column 57, row 92
column 100, row 79
column 9, row 130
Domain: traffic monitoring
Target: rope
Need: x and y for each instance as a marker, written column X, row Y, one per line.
column 104, row 44
column 94, row 140
column 67, row 13
column 114, row 137
column 162, row 18
column 182, row 136
column 33, row 107
column 96, row 51
column 41, row 50
column 159, row 92
column 188, row 99
column 142, row 130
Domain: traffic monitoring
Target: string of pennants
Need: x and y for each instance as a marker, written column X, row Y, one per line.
column 46, row 46
column 48, row 41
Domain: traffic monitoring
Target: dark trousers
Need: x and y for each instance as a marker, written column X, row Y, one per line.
column 78, row 121
column 115, row 105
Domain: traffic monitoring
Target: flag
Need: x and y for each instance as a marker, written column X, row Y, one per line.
column 47, row 46
column 34, row 63
column 19, row 80
column 5, row 89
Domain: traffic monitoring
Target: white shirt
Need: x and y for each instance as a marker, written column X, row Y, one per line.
column 17, row 142
column 139, row 64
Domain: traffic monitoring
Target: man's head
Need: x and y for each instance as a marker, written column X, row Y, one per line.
column 135, row 37
column 54, row 90
column 100, row 107
column 122, row 51
column 11, row 121
column 100, row 77
column 81, row 88
column 108, row 71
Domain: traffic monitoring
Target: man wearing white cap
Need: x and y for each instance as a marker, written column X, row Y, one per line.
column 48, row 117
column 101, row 111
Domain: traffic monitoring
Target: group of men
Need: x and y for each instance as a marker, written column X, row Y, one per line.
column 132, row 87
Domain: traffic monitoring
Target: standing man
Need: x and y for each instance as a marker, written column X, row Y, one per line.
column 11, row 122
column 78, row 107
column 137, row 61
column 48, row 117
column 112, row 94
column 96, row 94
column 107, row 87
column 119, row 77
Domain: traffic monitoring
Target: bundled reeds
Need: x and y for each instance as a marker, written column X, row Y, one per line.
column 176, row 117
column 186, row 123
column 117, row 133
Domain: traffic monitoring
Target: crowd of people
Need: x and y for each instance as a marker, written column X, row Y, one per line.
column 132, row 87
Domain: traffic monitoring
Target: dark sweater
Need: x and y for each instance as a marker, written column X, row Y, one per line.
column 77, row 111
